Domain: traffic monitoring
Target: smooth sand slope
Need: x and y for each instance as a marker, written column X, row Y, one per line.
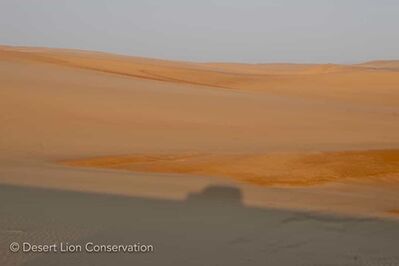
column 310, row 138
column 272, row 124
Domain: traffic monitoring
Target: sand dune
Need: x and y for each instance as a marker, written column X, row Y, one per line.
column 392, row 65
column 373, row 82
column 251, row 121
column 294, row 140
column 245, row 122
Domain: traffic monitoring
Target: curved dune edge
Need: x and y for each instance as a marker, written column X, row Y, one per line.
column 278, row 169
column 370, row 82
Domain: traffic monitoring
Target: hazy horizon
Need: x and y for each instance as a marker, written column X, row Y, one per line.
column 254, row 31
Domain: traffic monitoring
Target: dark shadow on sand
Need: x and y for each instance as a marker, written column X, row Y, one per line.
column 212, row 227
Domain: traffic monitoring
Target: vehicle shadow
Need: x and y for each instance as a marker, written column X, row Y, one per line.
column 211, row 227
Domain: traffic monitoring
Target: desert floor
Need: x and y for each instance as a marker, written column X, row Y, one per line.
column 213, row 163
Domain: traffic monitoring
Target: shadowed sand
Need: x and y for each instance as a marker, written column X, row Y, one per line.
column 211, row 227
column 294, row 138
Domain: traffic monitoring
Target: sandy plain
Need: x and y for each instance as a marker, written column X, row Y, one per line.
column 291, row 164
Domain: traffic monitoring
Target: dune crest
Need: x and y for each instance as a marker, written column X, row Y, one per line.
column 353, row 83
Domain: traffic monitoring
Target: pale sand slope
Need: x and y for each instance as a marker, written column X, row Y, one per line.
column 232, row 122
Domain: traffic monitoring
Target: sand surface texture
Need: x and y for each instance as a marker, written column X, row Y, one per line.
column 216, row 164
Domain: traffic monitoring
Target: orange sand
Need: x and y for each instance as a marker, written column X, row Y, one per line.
column 267, row 124
column 269, row 170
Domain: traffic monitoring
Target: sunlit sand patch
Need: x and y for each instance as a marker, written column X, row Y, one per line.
column 393, row 213
column 282, row 169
